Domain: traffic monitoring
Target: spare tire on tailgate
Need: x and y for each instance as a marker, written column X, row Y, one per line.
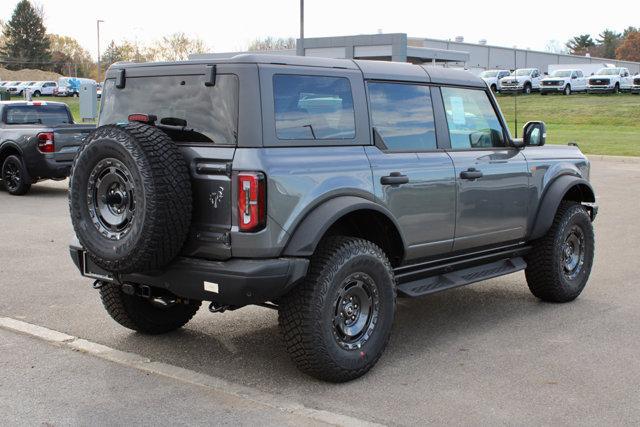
column 130, row 197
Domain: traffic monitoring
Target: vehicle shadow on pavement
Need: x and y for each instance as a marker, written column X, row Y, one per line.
column 247, row 345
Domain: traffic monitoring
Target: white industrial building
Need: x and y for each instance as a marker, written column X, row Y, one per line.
column 446, row 53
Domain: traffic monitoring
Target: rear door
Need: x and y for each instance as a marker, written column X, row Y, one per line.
column 411, row 176
column 492, row 178
column 208, row 142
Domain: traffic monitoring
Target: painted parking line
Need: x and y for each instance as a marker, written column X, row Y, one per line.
column 145, row 364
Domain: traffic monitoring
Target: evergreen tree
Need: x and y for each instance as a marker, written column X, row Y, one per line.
column 579, row 45
column 26, row 42
column 609, row 40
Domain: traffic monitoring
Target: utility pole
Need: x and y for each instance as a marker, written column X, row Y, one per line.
column 302, row 26
column 98, row 21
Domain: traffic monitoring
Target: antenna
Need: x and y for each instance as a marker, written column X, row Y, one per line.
column 515, row 97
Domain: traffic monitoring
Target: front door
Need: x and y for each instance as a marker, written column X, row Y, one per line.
column 492, row 178
column 411, row 177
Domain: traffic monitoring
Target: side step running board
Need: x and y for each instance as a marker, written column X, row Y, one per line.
column 466, row 276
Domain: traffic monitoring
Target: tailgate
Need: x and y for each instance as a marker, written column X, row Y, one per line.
column 67, row 140
column 210, row 169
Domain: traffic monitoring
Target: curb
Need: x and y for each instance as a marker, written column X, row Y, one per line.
column 619, row 159
column 145, row 364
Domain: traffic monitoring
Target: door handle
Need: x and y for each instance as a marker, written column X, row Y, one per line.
column 471, row 174
column 394, row 178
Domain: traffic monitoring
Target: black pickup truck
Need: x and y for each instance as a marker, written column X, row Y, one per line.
column 38, row 140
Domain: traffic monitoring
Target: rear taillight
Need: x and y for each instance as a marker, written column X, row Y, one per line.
column 142, row 118
column 252, row 201
column 45, row 142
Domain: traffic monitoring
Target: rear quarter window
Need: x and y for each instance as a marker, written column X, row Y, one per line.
column 313, row 107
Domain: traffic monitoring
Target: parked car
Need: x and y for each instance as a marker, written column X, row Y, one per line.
column 38, row 141
column 563, row 81
column 610, row 80
column 492, row 78
column 635, row 86
column 324, row 212
column 45, row 88
column 12, row 87
column 523, row 80
column 20, row 88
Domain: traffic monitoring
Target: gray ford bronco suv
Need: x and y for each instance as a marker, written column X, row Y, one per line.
column 322, row 188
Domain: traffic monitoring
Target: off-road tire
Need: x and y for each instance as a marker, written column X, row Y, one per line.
column 15, row 165
column 616, row 89
column 567, row 90
column 139, row 314
column 527, row 89
column 307, row 314
column 161, row 191
column 545, row 274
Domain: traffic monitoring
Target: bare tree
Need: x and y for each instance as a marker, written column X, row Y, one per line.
column 272, row 43
column 176, row 47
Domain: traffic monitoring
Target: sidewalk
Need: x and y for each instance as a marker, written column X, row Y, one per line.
column 43, row 384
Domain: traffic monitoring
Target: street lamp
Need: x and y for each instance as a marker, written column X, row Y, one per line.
column 98, row 21
column 301, row 49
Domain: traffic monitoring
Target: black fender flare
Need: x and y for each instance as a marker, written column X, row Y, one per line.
column 312, row 228
column 551, row 200
column 8, row 145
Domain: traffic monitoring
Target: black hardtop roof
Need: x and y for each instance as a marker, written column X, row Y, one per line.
column 381, row 70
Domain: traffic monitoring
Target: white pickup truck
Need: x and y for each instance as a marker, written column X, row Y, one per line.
column 523, row 80
column 564, row 81
column 492, row 78
column 610, row 80
column 45, row 88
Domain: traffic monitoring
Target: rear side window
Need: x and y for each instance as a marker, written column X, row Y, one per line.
column 473, row 122
column 211, row 112
column 36, row 114
column 313, row 107
column 402, row 115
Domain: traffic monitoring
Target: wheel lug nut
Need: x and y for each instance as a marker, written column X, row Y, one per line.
column 353, row 317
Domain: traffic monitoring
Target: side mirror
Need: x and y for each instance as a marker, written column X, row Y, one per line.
column 534, row 134
column 574, row 77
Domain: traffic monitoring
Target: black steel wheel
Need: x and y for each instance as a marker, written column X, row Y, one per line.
column 15, row 176
column 357, row 308
column 111, row 198
column 559, row 265
column 336, row 324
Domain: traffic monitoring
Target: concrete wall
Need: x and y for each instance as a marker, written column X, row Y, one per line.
column 487, row 57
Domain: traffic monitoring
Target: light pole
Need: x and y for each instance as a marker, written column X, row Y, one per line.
column 301, row 27
column 98, row 21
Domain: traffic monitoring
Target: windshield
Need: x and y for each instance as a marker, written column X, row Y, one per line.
column 561, row 73
column 211, row 112
column 608, row 71
column 487, row 74
column 523, row 72
column 36, row 114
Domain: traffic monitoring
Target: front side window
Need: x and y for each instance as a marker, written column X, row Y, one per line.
column 472, row 120
column 313, row 107
column 210, row 113
column 402, row 115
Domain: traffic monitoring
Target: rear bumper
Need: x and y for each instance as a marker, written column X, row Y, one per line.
column 236, row 282
column 44, row 167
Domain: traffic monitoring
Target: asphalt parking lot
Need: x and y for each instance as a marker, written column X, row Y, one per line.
column 485, row 354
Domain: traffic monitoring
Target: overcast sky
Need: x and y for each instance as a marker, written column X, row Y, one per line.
column 231, row 25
